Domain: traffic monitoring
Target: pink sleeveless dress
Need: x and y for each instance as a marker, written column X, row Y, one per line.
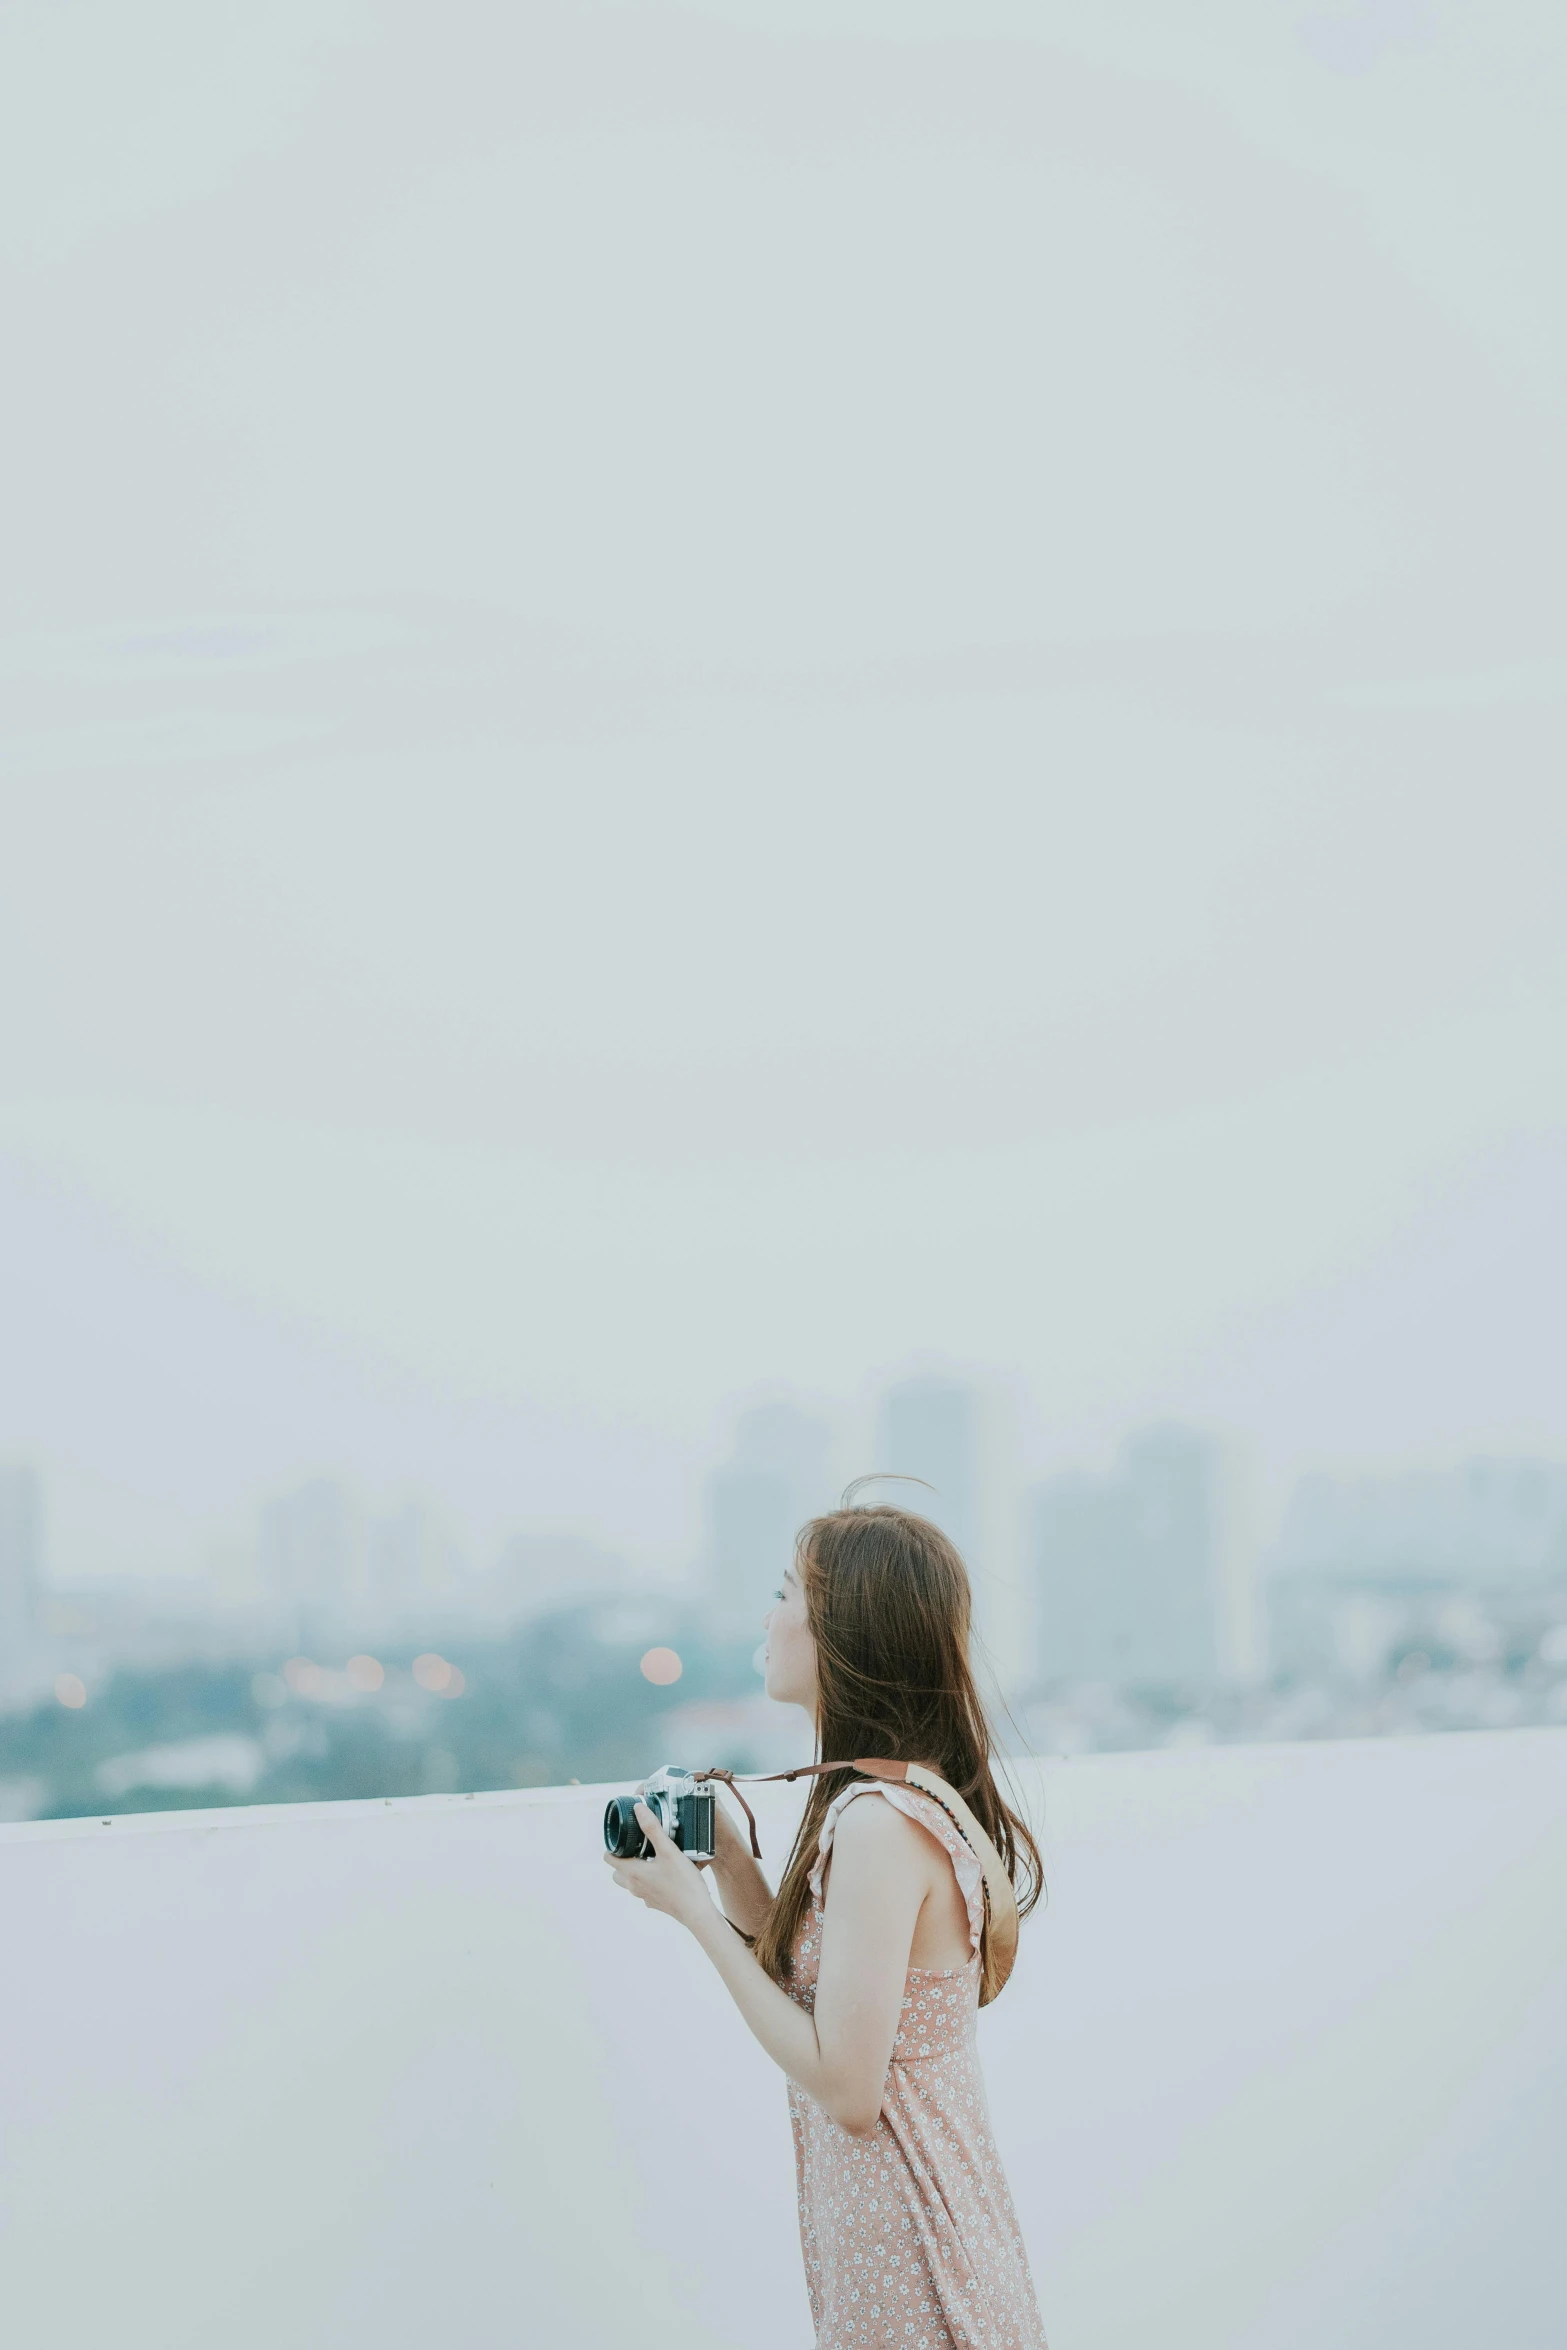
column 909, row 2235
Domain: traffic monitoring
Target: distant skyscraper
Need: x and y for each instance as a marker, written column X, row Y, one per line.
column 413, row 1561
column 776, row 1478
column 21, row 1569
column 950, row 1434
column 1146, row 1576
column 1360, row 1561
column 930, row 1428
column 1500, row 1522
column 313, row 1553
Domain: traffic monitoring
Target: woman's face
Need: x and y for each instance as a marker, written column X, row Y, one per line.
column 791, row 1652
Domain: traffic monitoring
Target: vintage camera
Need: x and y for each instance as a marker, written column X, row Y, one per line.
column 682, row 1809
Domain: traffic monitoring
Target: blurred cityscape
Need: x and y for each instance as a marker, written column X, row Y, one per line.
column 347, row 1651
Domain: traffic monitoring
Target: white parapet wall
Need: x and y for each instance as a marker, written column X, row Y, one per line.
column 1284, row 2065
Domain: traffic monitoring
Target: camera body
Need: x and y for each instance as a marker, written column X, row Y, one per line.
column 685, row 1812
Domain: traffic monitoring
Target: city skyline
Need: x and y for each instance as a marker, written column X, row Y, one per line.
column 1058, row 888
column 1133, row 1608
column 319, row 1550
column 1137, row 1602
column 161, row 1396
column 1431, row 1490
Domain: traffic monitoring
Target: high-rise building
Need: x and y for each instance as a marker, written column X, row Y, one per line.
column 414, row 1561
column 950, row 1435
column 775, row 1479
column 313, row 1554
column 930, row 1428
column 21, row 1570
column 1147, row 1576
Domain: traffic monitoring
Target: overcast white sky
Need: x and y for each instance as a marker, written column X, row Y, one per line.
column 707, row 697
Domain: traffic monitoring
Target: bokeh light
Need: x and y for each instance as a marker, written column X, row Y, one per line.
column 661, row 1666
column 365, row 1672
column 432, row 1672
column 70, row 1689
column 455, row 1682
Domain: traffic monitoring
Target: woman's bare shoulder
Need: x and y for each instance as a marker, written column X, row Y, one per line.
column 873, row 1829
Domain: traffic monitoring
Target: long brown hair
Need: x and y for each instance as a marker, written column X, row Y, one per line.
column 888, row 1603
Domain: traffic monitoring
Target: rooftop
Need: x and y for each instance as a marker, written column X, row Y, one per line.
column 1282, row 2065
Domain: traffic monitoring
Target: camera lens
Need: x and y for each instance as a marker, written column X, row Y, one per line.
column 622, row 1829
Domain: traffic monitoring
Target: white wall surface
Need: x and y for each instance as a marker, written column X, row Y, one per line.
column 1283, row 2065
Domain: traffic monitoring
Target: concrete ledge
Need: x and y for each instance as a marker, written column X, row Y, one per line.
column 1285, row 2063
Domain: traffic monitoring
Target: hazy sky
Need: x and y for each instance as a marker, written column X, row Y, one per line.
column 704, row 697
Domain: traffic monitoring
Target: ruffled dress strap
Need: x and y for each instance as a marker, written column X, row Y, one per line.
column 927, row 1812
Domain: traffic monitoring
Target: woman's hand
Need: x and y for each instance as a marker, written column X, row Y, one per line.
column 666, row 1881
column 731, row 1844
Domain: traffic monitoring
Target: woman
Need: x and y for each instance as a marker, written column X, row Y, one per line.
column 862, row 1975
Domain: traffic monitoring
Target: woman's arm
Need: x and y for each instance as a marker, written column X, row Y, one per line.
column 840, row 2055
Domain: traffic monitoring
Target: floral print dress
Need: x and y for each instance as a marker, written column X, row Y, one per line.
column 909, row 2235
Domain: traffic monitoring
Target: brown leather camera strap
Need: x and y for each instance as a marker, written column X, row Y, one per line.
column 999, row 1948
